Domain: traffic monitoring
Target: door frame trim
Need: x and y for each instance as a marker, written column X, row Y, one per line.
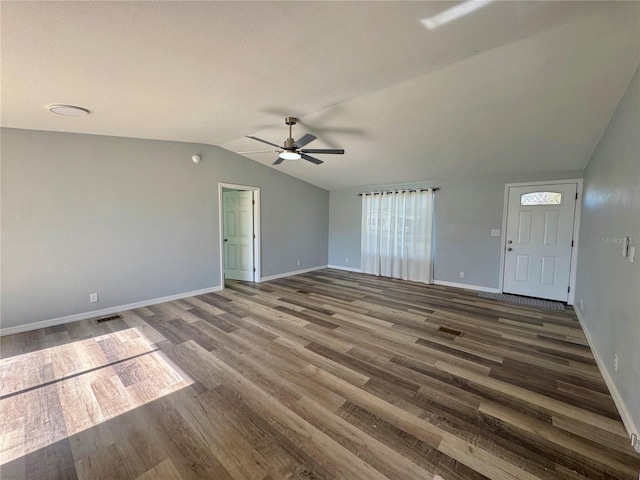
column 576, row 230
column 256, row 228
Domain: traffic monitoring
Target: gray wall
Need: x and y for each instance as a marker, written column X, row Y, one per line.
column 133, row 220
column 608, row 284
column 465, row 212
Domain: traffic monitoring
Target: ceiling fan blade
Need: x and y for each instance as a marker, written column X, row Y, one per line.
column 278, row 161
column 304, row 140
column 258, row 151
column 333, row 151
column 311, row 159
column 263, row 141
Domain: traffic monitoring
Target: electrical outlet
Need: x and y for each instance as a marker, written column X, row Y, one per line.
column 461, row 274
column 632, row 254
column 93, row 297
column 298, row 263
column 615, row 363
column 495, row 232
column 635, row 442
column 346, row 260
column 581, row 304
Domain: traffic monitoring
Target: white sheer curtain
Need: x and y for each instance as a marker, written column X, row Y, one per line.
column 397, row 230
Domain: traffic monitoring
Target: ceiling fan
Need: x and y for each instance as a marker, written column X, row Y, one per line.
column 293, row 149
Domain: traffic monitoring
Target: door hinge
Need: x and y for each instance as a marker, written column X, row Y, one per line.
column 576, row 195
column 254, row 269
column 253, row 202
column 568, row 289
column 571, row 241
column 254, row 236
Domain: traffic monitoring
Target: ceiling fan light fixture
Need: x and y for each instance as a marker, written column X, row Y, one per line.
column 286, row 155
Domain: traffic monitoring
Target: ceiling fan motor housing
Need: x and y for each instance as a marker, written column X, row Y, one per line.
column 289, row 144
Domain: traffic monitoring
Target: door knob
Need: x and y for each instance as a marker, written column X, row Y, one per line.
column 509, row 242
column 509, row 249
column 225, row 239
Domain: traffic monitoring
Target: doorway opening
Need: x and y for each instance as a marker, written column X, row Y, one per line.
column 541, row 222
column 239, row 232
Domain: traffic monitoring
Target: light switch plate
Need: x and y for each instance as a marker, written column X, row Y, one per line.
column 495, row 232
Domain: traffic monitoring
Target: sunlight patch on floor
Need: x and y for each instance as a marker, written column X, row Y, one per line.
column 54, row 393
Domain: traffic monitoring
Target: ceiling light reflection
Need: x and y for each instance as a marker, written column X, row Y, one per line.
column 454, row 13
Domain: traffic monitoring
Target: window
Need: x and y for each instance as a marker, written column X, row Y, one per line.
column 397, row 235
column 541, row 198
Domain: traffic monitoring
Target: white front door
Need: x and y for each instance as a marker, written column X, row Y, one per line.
column 539, row 238
column 238, row 234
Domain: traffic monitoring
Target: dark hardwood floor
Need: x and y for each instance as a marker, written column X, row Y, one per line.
column 323, row 375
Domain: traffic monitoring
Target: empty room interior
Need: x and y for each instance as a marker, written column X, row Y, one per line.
column 320, row 240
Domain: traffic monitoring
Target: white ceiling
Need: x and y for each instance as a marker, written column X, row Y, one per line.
column 513, row 87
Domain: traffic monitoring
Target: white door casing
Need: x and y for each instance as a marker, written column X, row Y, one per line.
column 539, row 240
column 238, row 235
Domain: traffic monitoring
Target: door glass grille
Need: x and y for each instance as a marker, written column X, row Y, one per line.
column 541, row 198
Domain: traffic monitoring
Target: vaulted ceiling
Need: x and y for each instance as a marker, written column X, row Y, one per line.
column 411, row 90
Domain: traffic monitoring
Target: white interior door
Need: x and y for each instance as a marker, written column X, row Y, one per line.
column 539, row 238
column 238, row 234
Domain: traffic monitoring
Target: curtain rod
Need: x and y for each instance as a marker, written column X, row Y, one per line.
column 435, row 189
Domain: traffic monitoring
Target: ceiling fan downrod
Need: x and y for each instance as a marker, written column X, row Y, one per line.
column 289, row 143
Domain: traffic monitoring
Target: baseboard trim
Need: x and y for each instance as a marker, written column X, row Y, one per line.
column 105, row 311
column 290, row 274
column 625, row 415
column 346, row 269
column 466, row 286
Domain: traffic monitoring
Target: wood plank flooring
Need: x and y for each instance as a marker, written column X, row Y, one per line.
column 325, row 375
